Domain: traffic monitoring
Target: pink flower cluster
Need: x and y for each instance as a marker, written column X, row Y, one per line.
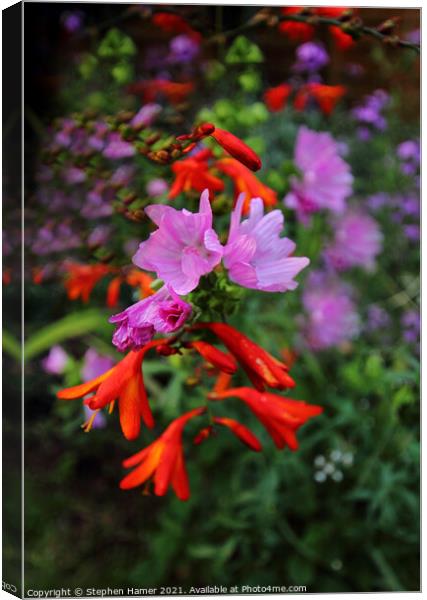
column 325, row 180
column 185, row 247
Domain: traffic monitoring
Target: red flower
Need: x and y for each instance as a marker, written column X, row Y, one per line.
column 343, row 40
column 243, row 433
column 232, row 144
column 163, row 460
column 326, row 96
column 276, row 97
column 125, row 383
column 175, row 24
column 81, row 279
column 222, row 361
column 261, row 367
column 282, row 417
column 245, row 181
column 238, row 149
column 175, row 92
column 297, row 32
column 193, row 174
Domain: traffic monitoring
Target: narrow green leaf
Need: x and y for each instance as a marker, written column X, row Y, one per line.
column 11, row 346
column 71, row 326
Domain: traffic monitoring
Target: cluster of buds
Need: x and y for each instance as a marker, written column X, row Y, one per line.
column 163, row 460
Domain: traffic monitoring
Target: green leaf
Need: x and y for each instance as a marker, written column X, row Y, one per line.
column 73, row 325
column 11, row 346
column 243, row 50
column 116, row 44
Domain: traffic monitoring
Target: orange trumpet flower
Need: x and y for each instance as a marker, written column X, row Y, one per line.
column 193, row 174
column 276, row 97
column 281, row 417
column 245, row 181
column 261, row 367
column 244, row 434
column 81, row 279
column 125, row 383
column 163, row 460
column 222, row 361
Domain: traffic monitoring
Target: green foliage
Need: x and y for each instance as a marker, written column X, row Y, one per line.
column 243, row 51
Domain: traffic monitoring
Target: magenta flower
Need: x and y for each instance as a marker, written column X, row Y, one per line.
column 255, row 255
column 358, row 241
column 164, row 312
column 331, row 315
column 183, row 248
column 325, row 181
column 56, row 361
column 157, row 187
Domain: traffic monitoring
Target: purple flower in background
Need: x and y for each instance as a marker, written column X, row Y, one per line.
column 183, row 248
column 414, row 36
column 409, row 154
column 311, row 57
column 72, row 21
column 255, row 255
column 117, row 148
column 183, row 49
column 146, row 115
column 412, row 232
column 357, row 242
column 331, row 315
column 74, row 175
column 99, row 235
column 56, row 361
column 369, row 114
column 377, row 318
column 157, row 187
column 163, row 312
column 411, row 326
column 326, row 180
column 98, row 202
column 94, row 365
column 122, row 175
column 377, row 201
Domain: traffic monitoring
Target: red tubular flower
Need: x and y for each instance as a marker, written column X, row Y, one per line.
column 198, row 133
column 81, row 279
column 296, row 32
column 247, row 182
column 281, row 417
column 175, row 24
column 343, row 40
column 175, row 92
column 238, row 149
column 326, row 96
column 276, row 97
column 244, row 434
column 193, row 174
column 222, row 361
column 125, row 383
column 163, row 460
column 261, row 367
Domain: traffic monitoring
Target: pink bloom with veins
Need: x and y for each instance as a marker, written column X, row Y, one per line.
column 183, row 248
column 255, row 255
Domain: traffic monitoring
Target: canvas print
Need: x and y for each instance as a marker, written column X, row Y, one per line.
column 221, row 254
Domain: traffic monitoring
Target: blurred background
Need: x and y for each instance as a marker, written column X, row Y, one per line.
column 341, row 513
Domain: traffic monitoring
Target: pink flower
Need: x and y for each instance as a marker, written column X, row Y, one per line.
column 56, row 361
column 331, row 315
column 117, row 148
column 183, row 248
column 325, row 181
column 162, row 312
column 255, row 255
column 358, row 240
column 146, row 115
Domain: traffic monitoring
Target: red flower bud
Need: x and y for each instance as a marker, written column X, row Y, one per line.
column 238, row 149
